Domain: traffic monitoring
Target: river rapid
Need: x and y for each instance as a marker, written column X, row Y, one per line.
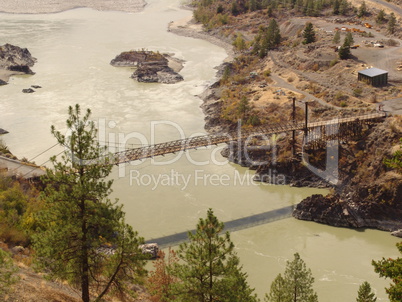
column 168, row 195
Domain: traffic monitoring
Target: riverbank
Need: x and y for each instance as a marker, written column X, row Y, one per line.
column 362, row 209
column 187, row 27
column 55, row 6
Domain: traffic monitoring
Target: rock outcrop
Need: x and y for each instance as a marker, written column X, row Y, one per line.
column 151, row 67
column 16, row 60
column 28, row 90
column 150, row 249
column 369, row 195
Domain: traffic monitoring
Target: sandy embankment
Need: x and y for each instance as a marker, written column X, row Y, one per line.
column 188, row 28
column 54, row 6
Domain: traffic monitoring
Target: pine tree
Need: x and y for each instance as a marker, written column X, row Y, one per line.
column 349, row 39
column 83, row 238
column 209, row 269
column 299, row 281
column 344, row 50
column 335, row 9
column 7, row 273
column 343, row 7
column 277, row 292
column 364, row 294
column 243, row 108
column 337, row 37
column 308, row 33
column 362, row 10
column 391, row 268
column 391, row 23
column 295, row 285
column 380, row 17
column 273, row 35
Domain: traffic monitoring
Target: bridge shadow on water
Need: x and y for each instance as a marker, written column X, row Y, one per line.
column 233, row 225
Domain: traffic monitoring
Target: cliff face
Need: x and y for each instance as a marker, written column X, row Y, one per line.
column 370, row 194
column 16, row 60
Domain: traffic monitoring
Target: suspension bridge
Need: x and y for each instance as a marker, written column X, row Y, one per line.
column 328, row 128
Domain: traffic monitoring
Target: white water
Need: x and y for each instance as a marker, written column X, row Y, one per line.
column 74, row 49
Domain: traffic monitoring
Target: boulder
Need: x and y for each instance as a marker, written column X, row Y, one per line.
column 17, row 249
column 397, row 233
column 36, row 86
column 150, row 249
column 28, row 90
column 2, row 131
column 15, row 58
column 2, row 82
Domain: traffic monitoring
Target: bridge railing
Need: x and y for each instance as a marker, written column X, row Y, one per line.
column 215, row 139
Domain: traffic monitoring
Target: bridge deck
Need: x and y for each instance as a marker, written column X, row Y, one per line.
column 215, row 139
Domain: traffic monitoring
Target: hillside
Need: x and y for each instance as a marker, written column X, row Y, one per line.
column 259, row 89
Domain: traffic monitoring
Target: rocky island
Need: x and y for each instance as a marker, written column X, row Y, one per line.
column 151, row 67
column 14, row 60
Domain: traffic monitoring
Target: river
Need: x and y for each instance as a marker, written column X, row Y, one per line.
column 168, row 195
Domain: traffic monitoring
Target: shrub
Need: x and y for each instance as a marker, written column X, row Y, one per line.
column 333, row 62
column 357, row 92
column 267, row 72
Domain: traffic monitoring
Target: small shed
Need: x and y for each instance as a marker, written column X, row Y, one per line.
column 373, row 76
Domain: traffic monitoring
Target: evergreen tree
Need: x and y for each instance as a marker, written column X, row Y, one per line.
column 310, row 8
column 349, row 39
column 362, row 10
column 7, row 273
column 253, row 6
column 337, row 37
column 380, row 17
column 299, row 281
column 343, row 7
column 83, row 238
column 335, row 9
column 243, row 108
column 295, row 285
column 391, row 268
column 273, row 35
column 391, row 23
column 210, row 269
column 277, row 292
column 344, row 52
column 267, row 39
column 308, row 33
column 364, row 294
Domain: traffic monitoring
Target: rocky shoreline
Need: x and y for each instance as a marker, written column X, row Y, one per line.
column 352, row 204
column 14, row 60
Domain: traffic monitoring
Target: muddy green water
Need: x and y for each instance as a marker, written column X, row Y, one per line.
column 169, row 194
